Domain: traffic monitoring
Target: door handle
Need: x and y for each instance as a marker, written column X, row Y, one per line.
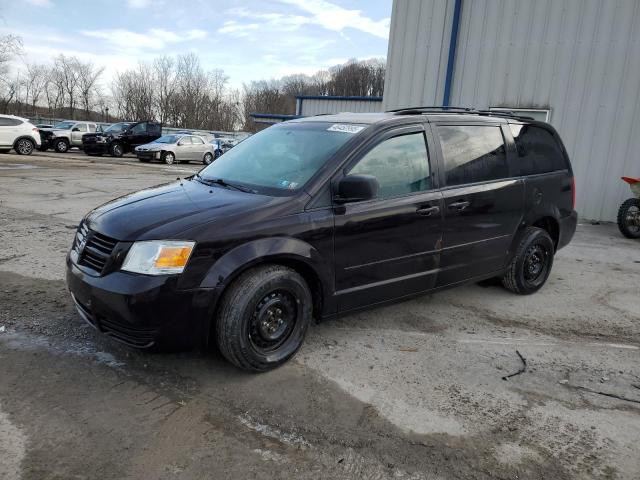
column 459, row 205
column 428, row 211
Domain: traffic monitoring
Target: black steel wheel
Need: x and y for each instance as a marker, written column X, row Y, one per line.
column 531, row 263
column 629, row 218
column 263, row 317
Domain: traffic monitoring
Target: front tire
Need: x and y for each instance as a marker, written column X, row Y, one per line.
column 116, row 150
column 263, row 318
column 61, row 146
column 169, row 158
column 629, row 218
column 531, row 264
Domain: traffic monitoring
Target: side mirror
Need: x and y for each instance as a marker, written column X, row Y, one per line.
column 180, row 144
column 357, row 188
column 75, row 129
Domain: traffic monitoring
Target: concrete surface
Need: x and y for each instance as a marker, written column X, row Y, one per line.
column 413, row 390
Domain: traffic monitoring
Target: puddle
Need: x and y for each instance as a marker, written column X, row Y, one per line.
column 16, row 166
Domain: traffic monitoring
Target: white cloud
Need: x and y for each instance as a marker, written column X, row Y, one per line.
column 40, row 3
column 278, row 21
column 138, row 3
column 236, row 29
column 337, row 18
column 153, row 39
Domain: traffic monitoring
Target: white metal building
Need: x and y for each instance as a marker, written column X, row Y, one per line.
column 573, row 62
column 309, row 105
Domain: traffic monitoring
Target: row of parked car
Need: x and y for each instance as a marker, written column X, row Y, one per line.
column 145, row 139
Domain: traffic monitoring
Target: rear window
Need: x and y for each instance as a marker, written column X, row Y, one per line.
column 472, row 153
column 538, row 150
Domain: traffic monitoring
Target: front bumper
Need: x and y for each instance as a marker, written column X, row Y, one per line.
column 149, row 155
column 142, row 311
column 91, row 148
column 567, row 226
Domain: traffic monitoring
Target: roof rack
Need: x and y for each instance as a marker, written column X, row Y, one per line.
column 467, row 110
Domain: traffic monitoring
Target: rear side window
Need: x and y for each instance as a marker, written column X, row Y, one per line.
column 9, row 122
column 538, row 150
column 472, row 153
column 400, row 165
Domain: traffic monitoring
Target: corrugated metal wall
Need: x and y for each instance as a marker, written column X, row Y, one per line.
column 312, row 106
column 580, row 58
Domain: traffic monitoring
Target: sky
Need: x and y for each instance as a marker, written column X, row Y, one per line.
column 249, row 40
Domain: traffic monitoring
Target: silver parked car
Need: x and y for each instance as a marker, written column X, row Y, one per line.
column 177, row 148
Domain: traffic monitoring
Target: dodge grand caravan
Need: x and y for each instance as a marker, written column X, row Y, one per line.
column 321, row 216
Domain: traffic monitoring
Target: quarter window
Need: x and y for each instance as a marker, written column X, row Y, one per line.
column 472, row 153
column 400, row 164
column 538, row 151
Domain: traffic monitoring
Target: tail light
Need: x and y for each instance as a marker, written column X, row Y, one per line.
column 573, row 193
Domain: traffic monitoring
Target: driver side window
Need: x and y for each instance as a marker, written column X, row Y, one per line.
column 139, row 128
column 401, row 165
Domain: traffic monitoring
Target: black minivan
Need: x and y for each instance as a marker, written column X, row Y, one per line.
column 323, row 216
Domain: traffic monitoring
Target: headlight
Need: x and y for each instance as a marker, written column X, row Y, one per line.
column 158, row 257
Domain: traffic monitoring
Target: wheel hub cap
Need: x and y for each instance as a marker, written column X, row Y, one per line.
column 273, row 319
column 535, row 262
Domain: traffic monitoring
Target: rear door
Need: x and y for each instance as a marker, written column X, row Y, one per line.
column 483, row 200
column 389, row 247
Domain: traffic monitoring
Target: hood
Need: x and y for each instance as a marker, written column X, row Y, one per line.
column 151, row 147
column 58, row 131
column 165, row 211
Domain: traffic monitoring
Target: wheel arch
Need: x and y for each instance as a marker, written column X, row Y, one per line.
column 289, row 252
column 25, row 137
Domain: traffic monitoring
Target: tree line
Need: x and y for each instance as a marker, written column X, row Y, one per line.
column 177, row 91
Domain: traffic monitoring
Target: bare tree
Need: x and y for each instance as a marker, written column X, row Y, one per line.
column 88, row 75
column 36, row 79
column 10, row 47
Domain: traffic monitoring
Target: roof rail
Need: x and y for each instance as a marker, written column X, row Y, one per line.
column 461, row 110
column 413, row 110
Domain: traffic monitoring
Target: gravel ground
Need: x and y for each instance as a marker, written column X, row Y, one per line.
column 413, row 390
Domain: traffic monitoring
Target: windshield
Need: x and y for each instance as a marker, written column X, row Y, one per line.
column 167, row 139
column 117, row 127
column 282, row 157
column 64, row 125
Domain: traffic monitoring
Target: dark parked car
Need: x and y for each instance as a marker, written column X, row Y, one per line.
column 121, row 138
column 322, row 216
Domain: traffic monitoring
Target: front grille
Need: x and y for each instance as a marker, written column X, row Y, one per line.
column 93, row 248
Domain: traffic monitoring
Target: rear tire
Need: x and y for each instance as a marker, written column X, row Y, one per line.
column 207, row 159
column 531, row 264
column 61, row 146
column 629, row 218
column 24, row 146
column 263, row 318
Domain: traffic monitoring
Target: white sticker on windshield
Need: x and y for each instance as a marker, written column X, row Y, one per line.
column 345, row 128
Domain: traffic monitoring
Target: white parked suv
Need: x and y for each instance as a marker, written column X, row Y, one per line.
column 18, row 133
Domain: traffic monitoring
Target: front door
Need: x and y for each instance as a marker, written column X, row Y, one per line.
column 78, row 130
column 483, row 201
column 389, row 247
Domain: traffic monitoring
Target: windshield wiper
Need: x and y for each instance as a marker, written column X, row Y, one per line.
column 223, row 183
